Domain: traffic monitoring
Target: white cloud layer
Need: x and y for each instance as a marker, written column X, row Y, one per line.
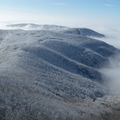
column 111, row 72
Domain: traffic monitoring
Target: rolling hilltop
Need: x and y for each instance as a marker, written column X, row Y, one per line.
column 52, row 73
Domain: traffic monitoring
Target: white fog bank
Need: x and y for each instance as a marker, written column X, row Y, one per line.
column 111, row 74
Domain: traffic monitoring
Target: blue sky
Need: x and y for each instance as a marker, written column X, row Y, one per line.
column 61, row 12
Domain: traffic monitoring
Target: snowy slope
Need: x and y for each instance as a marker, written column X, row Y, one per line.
column 43, row 73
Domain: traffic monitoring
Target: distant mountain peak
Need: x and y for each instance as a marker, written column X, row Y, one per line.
column 83, row 32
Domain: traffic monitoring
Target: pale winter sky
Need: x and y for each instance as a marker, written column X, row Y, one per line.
column 73, row 13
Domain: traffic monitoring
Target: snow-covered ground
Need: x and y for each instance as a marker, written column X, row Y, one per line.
column 53, row 73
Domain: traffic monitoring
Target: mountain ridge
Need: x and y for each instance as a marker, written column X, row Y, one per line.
column 63, row 29
column 44, row 72
column 58, row 51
